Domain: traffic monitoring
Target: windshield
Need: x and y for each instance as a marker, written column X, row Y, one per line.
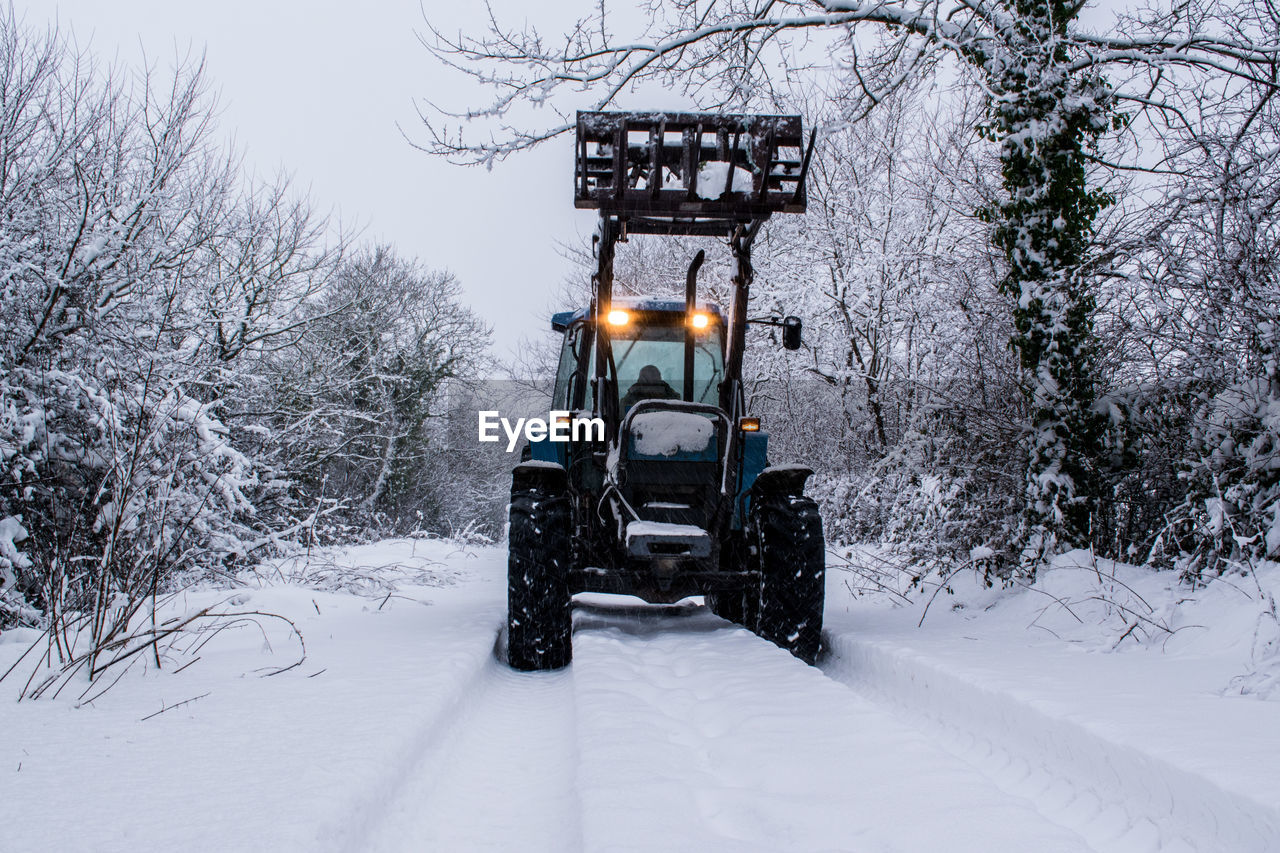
column 650, row 362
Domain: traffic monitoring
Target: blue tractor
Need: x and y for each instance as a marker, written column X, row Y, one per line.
column 671, row 494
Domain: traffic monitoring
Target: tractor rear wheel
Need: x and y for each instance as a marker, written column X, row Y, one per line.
column 539, row 608
column 786, row 537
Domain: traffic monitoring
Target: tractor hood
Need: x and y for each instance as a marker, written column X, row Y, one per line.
column 669, row 465
column 672, row 435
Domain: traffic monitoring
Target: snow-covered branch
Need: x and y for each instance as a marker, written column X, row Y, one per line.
column 695, row 48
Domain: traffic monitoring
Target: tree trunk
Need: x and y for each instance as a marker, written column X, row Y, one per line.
column 1043, row 117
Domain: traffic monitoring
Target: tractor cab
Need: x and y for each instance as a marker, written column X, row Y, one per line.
column 660, row 404
column 650, row 340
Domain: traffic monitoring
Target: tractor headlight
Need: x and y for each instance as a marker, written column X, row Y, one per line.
column 618, row 317
column 700, row 321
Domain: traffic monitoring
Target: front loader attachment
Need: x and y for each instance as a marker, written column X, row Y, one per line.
column 689, row 173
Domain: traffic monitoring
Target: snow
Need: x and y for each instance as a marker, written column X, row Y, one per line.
column 538, row 463
column 292, row 762
column 713, row 174
column 11, row 561
column 12, row 532
column 1273, row 532
column 669, row 433
column 694, row 735
column 1055, row 692
column 1015, row 719
column 670, row 181
column 981, row 552
column 661, row 528
column 649, row 303
column 789, row 468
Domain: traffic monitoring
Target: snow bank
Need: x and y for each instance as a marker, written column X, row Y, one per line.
column 1121, row 700
column 213, row 757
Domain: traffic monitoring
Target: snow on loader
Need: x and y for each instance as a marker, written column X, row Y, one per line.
column 676, row 498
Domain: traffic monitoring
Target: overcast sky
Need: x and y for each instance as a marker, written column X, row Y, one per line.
column 316, row 88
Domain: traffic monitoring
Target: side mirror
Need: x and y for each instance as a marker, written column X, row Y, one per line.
column 791, row 329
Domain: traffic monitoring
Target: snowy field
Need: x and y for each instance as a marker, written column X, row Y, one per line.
column 1085, row 713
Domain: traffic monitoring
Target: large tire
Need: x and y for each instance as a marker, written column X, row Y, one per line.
column 786, row 537
column 539, row 609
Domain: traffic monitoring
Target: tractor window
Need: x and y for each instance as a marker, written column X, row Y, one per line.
column 641, row 348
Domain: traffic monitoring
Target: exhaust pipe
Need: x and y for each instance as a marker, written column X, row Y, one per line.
column 690, row 303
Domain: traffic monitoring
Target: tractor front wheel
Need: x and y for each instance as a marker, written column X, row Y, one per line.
column 539, row 608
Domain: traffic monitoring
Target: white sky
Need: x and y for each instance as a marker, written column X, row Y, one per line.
column 316, row 88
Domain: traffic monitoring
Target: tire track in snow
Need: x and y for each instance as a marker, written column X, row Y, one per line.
column 695, row 735
column 425, row 739
column 499, row 776
column 1119, row 797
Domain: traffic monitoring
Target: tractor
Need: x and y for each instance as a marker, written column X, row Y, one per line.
column 677, row 497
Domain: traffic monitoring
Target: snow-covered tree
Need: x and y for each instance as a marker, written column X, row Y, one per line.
column 116, row 463
column 1048, row 102
column 350, row 407
column 1212, row 312
column 191, row 368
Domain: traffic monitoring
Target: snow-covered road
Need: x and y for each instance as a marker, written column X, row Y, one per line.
column 695, row 735
column 676, row 731
column 672, row 731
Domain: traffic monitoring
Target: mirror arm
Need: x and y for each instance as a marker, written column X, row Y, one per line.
column 790, row 327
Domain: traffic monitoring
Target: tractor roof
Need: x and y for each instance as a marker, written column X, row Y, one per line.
column 562, row 319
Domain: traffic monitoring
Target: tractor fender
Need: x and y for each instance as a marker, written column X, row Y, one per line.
column 537, row 475
column 782, row 480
